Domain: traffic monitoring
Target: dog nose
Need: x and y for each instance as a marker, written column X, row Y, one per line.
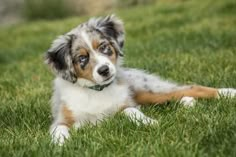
column 103, row 70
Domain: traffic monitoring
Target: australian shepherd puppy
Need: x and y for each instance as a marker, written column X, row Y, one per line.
column 91, row 83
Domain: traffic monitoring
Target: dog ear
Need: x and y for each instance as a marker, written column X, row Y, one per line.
column 110, row 26
column 59, row 58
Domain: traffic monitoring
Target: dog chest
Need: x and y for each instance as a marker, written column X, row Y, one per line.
column 90, row 105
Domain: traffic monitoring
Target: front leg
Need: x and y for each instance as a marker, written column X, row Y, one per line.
column 138, row 117
column 59, row 133
column 59, row 130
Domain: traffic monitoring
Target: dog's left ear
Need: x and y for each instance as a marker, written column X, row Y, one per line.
column 110, row 26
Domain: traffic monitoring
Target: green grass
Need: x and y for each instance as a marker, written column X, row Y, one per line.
column 189, row 41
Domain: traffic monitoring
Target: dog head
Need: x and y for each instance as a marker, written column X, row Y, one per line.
column 90, row 53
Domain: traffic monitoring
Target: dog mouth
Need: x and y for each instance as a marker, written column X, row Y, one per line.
column 108, row 80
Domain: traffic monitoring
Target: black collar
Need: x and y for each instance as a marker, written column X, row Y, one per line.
column 99, row 87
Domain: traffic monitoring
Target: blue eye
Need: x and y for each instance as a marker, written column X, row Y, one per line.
column 83, row 58
column 105, row 49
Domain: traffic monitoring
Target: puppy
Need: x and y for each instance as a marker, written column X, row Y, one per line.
column 91, row 83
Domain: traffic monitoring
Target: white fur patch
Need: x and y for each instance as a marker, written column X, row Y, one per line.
column 138, row 117
column 227, row 92
column 188, row 101
column 86, row 39
column 59, row 134
column 84, row 82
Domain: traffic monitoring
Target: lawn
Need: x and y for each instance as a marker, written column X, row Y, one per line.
column 186, row 41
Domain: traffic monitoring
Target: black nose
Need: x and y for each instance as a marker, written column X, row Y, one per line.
column 103, row 70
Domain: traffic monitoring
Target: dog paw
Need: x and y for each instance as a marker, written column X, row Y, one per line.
column 59, row 134
column 149, row 121
column 138, row 117
column 188, row 101
column 227, row 92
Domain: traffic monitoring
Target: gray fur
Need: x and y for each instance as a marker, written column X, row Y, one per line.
column 110, row 26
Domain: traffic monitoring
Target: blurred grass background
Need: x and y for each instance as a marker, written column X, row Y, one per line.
column 13, row 11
